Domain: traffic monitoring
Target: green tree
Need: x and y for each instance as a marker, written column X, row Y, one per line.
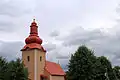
column 116, row 71
column 81, row 66
column 104, row 69
column 3, row 68
column 13, row 70
column 98, row 70
column 16, row 71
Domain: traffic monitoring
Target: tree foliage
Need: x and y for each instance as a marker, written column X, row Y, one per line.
column 84, row 65
column 3, row 68
column 13, row 70
column 80, row 64
column 116, row 71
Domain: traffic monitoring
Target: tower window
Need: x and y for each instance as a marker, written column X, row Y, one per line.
column 28, row 58
column 40, row 58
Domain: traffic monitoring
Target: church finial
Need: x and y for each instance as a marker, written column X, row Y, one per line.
column 33, row 20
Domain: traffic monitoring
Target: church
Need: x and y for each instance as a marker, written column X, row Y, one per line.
column 34, row 58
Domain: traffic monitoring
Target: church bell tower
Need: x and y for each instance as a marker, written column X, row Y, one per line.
column 33, row 54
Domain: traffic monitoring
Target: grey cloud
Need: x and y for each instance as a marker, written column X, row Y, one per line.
column 63, row 64
column 54, row 33
column 63, row 60
column 115, row 61
column 6, row 26
column 49, row 46
column 13, row 8
column 10, row 13
column 62, row 57
column 58, row 14
column 118, row 9
column 57, row 57
column 10, row 50
column 82, row 37
column 104, row 44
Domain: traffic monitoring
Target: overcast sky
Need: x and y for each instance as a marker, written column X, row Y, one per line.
column 63, row 26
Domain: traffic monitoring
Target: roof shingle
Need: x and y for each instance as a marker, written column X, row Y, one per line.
column 54, row 68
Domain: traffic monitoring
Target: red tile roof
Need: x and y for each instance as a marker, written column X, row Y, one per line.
column 33, row 46
column 54, row 68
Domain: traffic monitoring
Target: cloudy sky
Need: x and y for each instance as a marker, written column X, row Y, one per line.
column 63, row 26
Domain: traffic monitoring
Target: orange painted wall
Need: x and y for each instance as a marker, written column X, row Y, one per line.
column 57, row 78
column 47, row 74
column 31, row 64
column 40, row 64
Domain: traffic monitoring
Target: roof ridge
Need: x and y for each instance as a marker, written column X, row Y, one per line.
column 54, row 68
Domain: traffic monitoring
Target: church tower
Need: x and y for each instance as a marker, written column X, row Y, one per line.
column 33, row 54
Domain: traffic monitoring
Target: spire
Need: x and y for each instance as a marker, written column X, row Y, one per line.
column 33, row 20
column 33, row 37
column 33, row 28
column 33, row 40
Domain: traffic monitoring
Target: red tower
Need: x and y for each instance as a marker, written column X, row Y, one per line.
column 33, row 41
